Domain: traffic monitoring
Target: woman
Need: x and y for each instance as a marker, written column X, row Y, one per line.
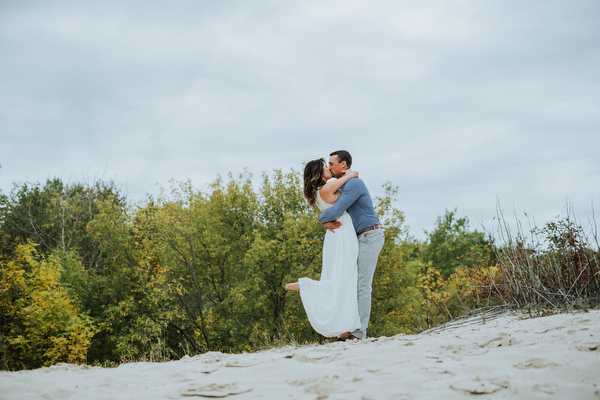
column 331, row 303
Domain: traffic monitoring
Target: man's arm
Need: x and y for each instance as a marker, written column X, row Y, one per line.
column 351, row 192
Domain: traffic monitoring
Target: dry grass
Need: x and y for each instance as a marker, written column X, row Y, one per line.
column 556, row 267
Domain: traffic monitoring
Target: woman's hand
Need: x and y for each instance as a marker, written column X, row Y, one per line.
column 351, row 174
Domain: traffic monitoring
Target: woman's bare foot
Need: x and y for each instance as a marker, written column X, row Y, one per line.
column 293, row 286
column 344, row 336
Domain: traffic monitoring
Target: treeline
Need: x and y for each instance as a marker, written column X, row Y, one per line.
column 87, row 277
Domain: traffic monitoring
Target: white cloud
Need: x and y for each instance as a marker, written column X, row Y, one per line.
column 454, row 102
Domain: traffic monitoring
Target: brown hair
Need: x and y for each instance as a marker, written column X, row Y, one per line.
column 313, row 179
column 342, row 156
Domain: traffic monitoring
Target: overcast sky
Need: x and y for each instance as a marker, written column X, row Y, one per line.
column 458, row 103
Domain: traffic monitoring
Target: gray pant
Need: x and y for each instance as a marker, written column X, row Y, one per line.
column 370, row 244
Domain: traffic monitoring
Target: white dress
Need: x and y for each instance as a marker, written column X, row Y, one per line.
column 331, row 303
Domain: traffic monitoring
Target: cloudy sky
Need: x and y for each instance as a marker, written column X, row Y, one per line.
column 458, row 103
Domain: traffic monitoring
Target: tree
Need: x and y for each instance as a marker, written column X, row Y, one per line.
column 450, row 243
column 126, row 295
column 55, row 215
column 203, row 239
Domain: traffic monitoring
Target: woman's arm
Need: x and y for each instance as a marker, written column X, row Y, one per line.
column 352, row 192
column 332, row 186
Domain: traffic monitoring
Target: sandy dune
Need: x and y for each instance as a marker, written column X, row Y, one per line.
column 508, row 357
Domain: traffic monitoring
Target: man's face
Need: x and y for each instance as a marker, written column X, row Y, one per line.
column 337, row 169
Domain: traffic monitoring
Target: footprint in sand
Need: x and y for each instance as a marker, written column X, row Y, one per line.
column 589, row 346
column 240, row 364
column 69, row 367
column 504, row 339
column 323, row 387
column 211, row 357
column 454, row 352
column 536, row 363
column 478, row 386
column 317, row 359
column 547, row 388
column 215, row 391
column 59, row 394
column 453, row 349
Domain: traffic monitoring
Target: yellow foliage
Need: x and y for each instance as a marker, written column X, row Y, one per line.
column 464, row 291
column 47, row 325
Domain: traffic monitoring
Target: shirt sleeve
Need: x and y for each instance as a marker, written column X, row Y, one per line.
column 350, row 193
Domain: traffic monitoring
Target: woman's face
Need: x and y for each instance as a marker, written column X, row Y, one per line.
column 326, row 172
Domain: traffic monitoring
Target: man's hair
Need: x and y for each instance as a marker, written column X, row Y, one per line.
column 343, row 155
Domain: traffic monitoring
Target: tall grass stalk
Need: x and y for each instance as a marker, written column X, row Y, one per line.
column 556, row 267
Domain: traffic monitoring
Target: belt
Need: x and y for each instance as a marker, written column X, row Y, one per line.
column 368, row 229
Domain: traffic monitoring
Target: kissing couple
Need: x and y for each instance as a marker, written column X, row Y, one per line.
column 339, row 304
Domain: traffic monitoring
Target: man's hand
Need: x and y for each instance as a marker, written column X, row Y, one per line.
column 332, row 225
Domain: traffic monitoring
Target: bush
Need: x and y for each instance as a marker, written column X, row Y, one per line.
column 46, row 325
column 555, row 267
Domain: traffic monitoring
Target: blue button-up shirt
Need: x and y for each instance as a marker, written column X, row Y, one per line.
column 356, row 199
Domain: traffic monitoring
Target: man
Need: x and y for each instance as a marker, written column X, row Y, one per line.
column 355, row 199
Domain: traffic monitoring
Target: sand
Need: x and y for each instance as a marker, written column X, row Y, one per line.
column 507, row 357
